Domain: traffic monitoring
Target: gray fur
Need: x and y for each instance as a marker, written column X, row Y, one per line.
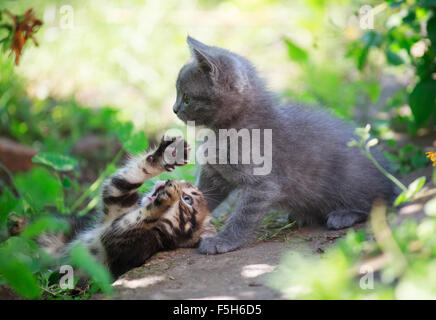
column 314, row 174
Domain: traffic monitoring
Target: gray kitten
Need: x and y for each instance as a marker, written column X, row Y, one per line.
column 314, row 174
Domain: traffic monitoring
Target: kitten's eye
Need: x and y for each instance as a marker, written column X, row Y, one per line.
column 185, row 99
column 187, row 199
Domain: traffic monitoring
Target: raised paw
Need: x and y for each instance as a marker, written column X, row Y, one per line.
column 215, row 245
column 171, row 152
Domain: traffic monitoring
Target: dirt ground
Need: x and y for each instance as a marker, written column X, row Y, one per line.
column 186, row 274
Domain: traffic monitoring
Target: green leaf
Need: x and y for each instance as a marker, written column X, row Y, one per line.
column 84, row 260
column 133, row 143
column 66, row 183
column 422, row 101
column 415, row 186
column 7, row 204
column 373, row 91
column 396, row 4
column 419, row 160
column 371, row 143
column 55, row 160
column 431, row 30
column 45, row 224
column 295, row 52
column 19, row 277
column 413, row 189
column 369, row 39
column 401, row 199
column 393, row 58
column 138, row 143
column 39, row 188
column 124, row 132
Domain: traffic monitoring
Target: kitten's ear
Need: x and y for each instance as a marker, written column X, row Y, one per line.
column 201, row 53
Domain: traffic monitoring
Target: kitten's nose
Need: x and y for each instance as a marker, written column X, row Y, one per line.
column 176, row 107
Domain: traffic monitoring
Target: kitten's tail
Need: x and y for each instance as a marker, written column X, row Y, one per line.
column 53, row 244
column 56, row 244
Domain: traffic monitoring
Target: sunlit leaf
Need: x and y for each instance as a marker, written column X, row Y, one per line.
column 45, row 224
column 133, row 142
column 82, row 259
column 295, row 52
column 371, row 143
column 124, row 132
column 38, row 187
column 416, row 186
column 401, row 199
column 56, row 161
column 373, row 91
column 413, row 189
column 137, row 143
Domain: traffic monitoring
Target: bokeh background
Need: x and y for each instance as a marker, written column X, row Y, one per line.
column 126, row 54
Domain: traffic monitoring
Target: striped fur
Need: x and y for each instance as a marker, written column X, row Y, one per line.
column 134, row 226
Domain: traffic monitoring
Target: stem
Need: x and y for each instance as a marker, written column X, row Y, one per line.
column 11, row 178
column 48, row 291
column 60, row 198
column 385, row 172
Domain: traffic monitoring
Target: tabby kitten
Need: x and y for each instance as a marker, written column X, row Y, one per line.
column 173, row 214
column 314, row 174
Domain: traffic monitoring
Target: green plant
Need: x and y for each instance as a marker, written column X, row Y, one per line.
column 406, row 159
column 404, row 44
column 379, row 263
column 364, row 145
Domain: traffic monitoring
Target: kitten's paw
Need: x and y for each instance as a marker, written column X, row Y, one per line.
column 167, row 194
column 214, row 245
column 341, row 219
column 171, row 152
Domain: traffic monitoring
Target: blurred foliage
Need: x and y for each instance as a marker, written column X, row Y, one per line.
column 406, row 38
column 56, row 183
column 105, row 71
column 359, row 267
column 407, row 158
column 365, row 143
